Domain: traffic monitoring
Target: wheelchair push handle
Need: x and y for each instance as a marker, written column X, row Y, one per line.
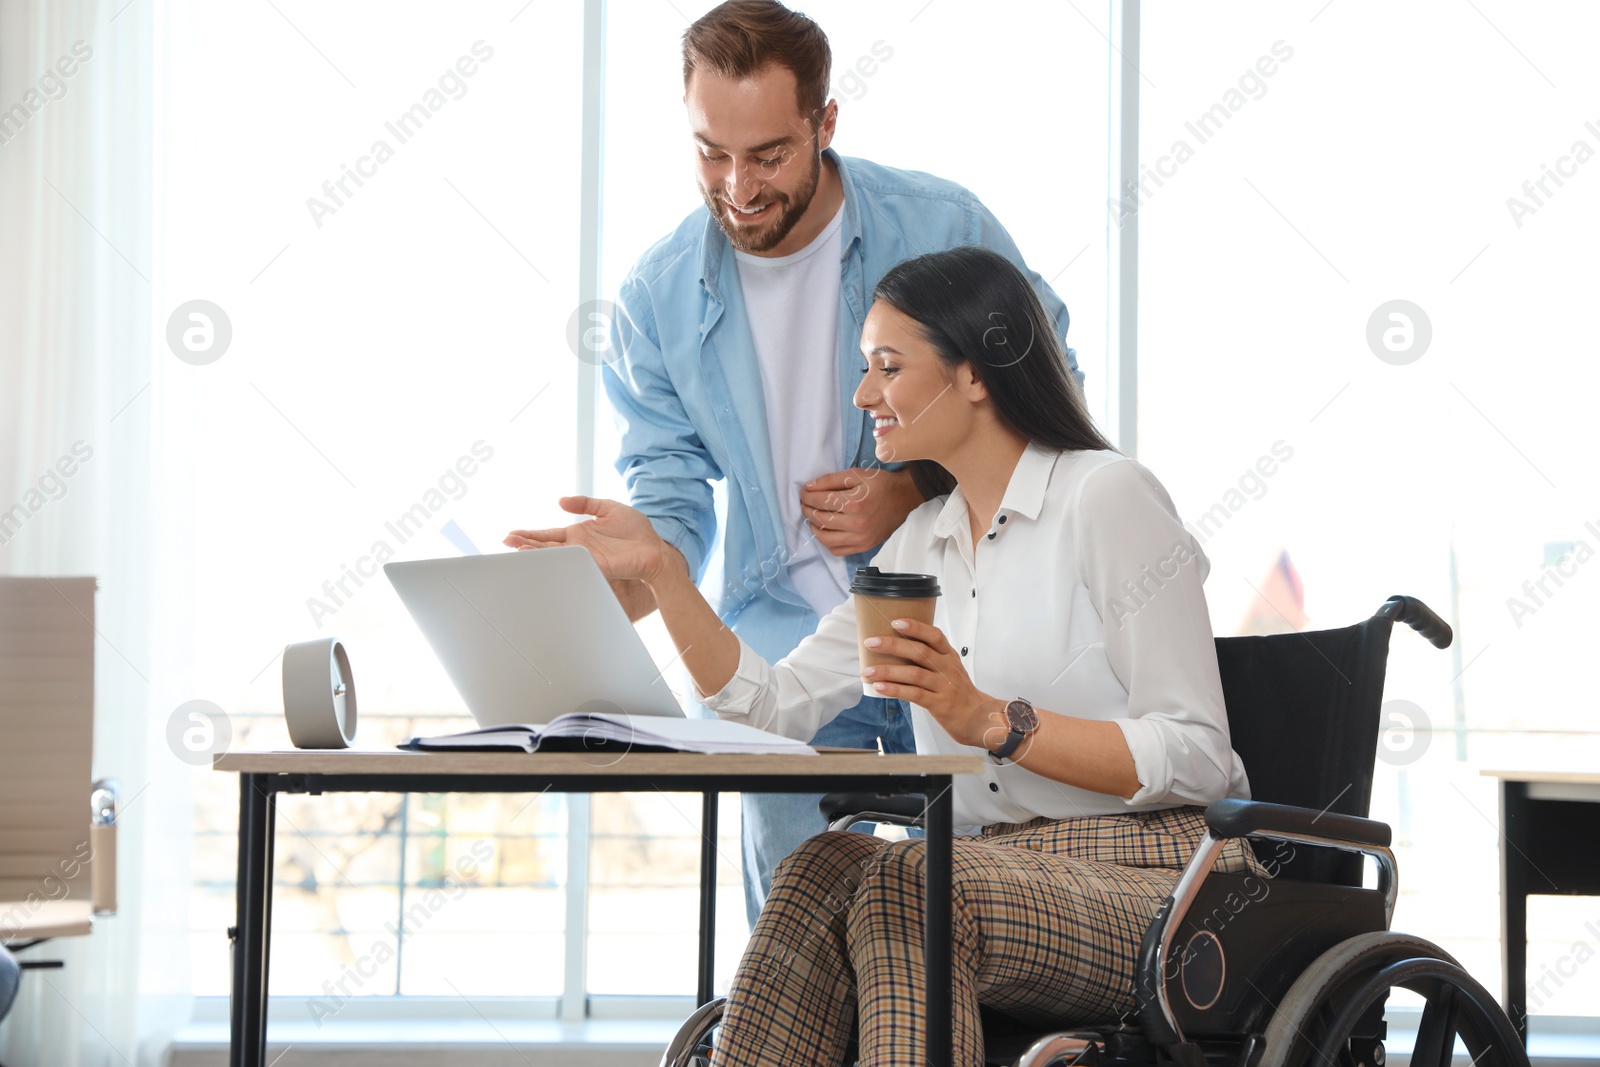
column 1417, row 615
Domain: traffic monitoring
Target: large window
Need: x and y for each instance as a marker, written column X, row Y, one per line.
column 1359, row 288
column 1309, row 169
column 397, row 309
column 380, row 200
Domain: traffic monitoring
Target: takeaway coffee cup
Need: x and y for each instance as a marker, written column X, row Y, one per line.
column 882, row 597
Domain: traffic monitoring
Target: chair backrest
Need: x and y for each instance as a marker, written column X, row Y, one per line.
column 1304, row 712
column 47, row 640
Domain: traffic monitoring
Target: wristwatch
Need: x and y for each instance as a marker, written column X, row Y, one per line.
column 1023, row 721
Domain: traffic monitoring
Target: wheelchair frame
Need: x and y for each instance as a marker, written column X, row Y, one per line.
column 1334, row 962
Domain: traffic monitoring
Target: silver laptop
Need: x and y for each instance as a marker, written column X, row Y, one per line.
column 527, row 636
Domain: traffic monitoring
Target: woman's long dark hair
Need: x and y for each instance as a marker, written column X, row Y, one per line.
column 974, row 306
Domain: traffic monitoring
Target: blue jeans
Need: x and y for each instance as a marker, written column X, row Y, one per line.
column 9, row 977
column 775, row 823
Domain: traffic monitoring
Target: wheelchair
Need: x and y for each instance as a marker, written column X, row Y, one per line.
column 1293, row 971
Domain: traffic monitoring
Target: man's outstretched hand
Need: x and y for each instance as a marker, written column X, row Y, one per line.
column 853, row 510
column 624, row 545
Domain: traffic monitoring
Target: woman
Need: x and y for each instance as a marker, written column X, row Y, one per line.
column 1068, row 583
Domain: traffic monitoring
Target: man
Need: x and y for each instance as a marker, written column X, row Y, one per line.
column 737, row 337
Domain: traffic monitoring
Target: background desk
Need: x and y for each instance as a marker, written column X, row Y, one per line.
column 1549, row 826
column 263, row 775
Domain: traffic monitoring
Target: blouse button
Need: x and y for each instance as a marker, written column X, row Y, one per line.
column 994, row 787
column 963, row 650
column 991, row 535
column 1002, row 520
column 974, row 592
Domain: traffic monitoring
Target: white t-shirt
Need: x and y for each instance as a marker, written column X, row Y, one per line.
column 1084, row 596
column 793, row 305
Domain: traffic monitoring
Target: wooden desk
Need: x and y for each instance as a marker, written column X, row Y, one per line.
column 1549, row 824
column 263, row 775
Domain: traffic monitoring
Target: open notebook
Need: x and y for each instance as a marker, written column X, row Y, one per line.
column 591, row 731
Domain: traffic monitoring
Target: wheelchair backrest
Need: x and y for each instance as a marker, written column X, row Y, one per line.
column 1304, row 713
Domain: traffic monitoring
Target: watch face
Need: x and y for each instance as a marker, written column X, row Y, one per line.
column 1021, row 716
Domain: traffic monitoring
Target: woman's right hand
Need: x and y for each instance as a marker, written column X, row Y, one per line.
column 621, row 540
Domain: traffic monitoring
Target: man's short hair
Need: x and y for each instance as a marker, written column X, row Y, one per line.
column 741, row 38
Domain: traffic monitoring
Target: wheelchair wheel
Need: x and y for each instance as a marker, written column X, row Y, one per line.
column 691, row 1046
column 1320, row 1019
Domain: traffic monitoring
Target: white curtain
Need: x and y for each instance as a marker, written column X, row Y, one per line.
column 76, row 380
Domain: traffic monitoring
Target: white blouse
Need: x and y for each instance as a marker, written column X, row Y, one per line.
column 1084, row 597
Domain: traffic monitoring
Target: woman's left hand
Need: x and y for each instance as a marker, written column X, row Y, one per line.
column 936, row 680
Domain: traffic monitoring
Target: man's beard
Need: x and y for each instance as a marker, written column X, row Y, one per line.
column 788, row 209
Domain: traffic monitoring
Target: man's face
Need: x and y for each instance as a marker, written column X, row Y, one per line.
column 758, row 157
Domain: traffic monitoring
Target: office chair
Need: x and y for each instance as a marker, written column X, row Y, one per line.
column 1298, row 976
column 57, row 856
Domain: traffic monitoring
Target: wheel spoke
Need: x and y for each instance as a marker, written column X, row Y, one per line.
column 1436, row 1033
column 1318, row 1026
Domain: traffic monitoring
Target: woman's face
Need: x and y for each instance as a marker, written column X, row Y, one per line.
column 919, row 409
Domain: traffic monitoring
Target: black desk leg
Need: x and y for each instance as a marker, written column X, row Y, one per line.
column 937, row 934
column 708, row 896
column 1515, row 877
column 248, row 1009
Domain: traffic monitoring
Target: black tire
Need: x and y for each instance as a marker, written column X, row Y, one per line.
column 691, row 1045
column 1313, row 1022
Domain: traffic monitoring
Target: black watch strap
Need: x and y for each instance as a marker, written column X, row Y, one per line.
column 1013, row 739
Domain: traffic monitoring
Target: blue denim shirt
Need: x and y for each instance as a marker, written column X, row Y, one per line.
column 686, row 386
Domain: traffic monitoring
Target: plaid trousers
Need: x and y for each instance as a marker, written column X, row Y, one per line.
column 1047, row 921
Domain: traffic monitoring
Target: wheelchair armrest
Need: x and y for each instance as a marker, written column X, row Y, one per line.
column 1240, row 818
column 842, row 810
column 1230, row 819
